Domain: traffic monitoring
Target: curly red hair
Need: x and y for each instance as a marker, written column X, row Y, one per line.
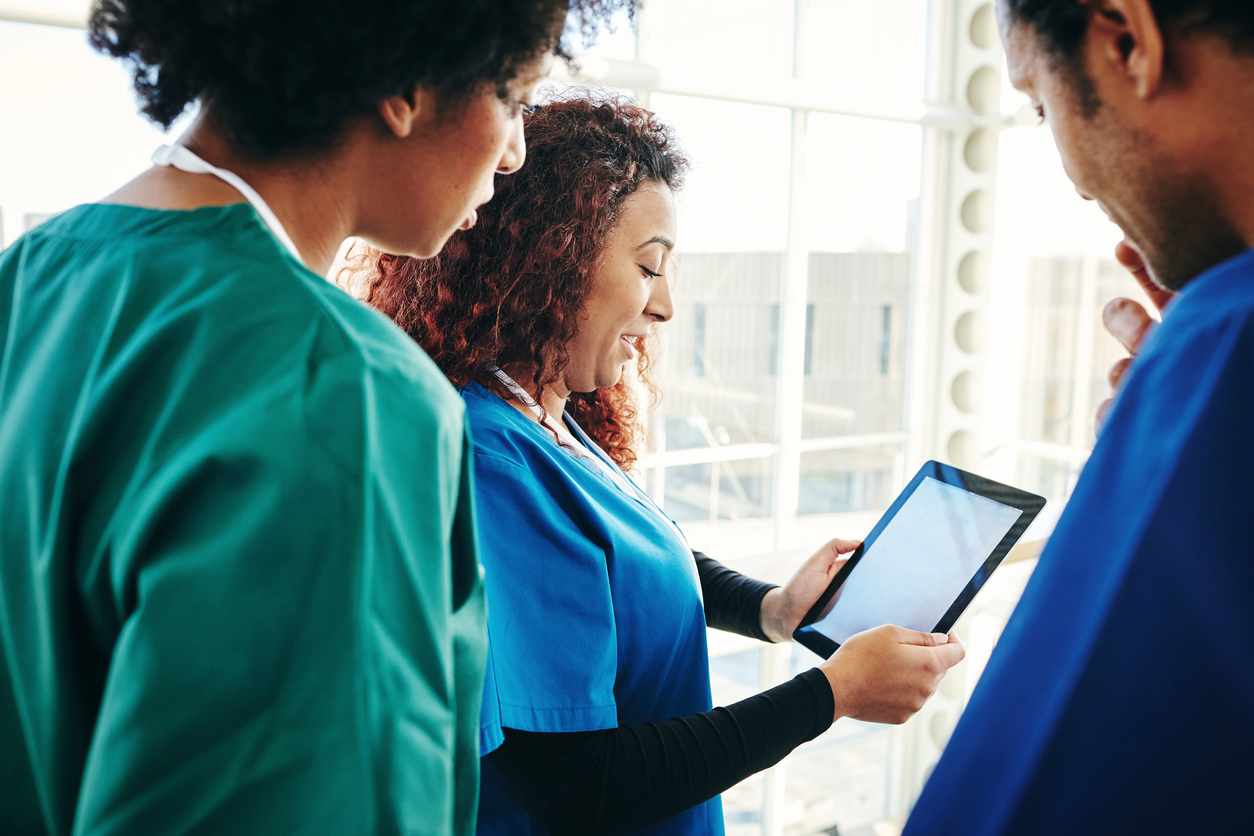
column 508, row 292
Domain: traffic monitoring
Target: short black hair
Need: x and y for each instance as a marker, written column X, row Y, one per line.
column 286, row 75
column 1061, row 25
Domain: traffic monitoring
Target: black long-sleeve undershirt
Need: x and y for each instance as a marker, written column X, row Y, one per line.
column 733, row 602
column 619, row 780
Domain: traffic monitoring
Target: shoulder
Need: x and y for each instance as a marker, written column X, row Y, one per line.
column 501, row 436
column 1218, row 302
column 517, row 461
column 1190, row 389
column 207, row 315
column 1207, row 335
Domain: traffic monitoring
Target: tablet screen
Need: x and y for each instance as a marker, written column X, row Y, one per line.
column 920, row 563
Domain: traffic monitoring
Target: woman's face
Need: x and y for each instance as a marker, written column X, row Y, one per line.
column 429, row 183
column 630, row 290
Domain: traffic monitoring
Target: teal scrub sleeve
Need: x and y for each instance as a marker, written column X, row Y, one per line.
column 285, row 662
column 551, row 628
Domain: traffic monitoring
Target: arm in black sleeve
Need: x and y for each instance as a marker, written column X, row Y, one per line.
column 733, row 602
column 620, row 780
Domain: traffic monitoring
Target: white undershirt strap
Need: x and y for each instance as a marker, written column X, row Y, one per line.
column 518, row 392
column 182, row 158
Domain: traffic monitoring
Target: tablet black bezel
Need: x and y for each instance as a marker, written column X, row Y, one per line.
column 1029, row 504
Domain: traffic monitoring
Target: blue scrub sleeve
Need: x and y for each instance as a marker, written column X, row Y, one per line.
column 552, row 639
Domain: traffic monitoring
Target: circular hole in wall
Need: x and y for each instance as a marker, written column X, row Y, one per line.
column 963, row 450
column 974, row 270
column 967, row 391
column 983, row 28
column 980, row 151
column 940, row 728
column 977, row 211
column 969, row 332
column 951, row 686
column 984, row 90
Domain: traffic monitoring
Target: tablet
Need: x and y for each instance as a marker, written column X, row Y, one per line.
column 925, row 559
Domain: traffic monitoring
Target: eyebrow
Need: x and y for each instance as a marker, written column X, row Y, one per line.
column 658, row 239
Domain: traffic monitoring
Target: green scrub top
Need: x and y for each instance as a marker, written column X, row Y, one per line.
column 239, row 590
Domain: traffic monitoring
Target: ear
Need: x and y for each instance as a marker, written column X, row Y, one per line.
column 403, row 115
column 1125, row 36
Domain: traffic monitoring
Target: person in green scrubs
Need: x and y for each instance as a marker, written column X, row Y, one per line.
column 239, row 590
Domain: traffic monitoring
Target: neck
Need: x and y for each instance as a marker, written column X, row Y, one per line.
column 1229, row 182
column 312, row 197
column 554, row 403
column 306, row 195
column 552, row 399
column 1213, row 125
column 1238, row 200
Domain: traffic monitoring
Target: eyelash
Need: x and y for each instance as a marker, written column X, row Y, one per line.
column 649, row 272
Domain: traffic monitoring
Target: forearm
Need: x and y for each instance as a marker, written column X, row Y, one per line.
column 733, row 602
column 627, row 778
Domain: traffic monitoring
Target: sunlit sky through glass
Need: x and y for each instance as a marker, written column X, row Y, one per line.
column 69, row 131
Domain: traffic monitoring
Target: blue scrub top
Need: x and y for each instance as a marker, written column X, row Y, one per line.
column 594, row 606
column 1120, row 698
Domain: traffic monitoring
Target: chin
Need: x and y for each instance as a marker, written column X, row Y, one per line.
column 427, row 248
column 610, row 381
column 431, row 247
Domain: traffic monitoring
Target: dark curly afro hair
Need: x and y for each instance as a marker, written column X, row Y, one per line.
column 286, row 75
column 509, row 291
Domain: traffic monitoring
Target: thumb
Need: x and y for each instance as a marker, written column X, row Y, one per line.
column 1127, row 322
column 844, row 546
column 1134, row 263
column 914, row 637
column 952, row 653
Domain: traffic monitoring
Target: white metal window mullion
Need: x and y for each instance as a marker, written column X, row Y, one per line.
column 789, row 395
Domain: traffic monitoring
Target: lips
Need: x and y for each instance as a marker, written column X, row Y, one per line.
column 631, row 349
column 470, row 220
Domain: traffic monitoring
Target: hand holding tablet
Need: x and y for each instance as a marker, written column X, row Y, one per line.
column 887, row 673
column 925, row 559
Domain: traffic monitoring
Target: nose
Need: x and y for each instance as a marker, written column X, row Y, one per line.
column 661, row 306
column 515, row 153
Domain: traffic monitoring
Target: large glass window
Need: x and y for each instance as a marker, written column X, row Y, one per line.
column 1053, row 271
column 69, row 131
column 862, row 205
column 871, row 51
column 715, row 367
column 702, row 41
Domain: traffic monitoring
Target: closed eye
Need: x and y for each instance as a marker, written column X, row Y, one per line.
column 649, row 272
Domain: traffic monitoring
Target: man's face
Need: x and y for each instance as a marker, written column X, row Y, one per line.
column 1109, row 140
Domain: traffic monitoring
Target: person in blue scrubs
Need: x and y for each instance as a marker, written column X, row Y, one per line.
column 597, row 714
column 1118, row 699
